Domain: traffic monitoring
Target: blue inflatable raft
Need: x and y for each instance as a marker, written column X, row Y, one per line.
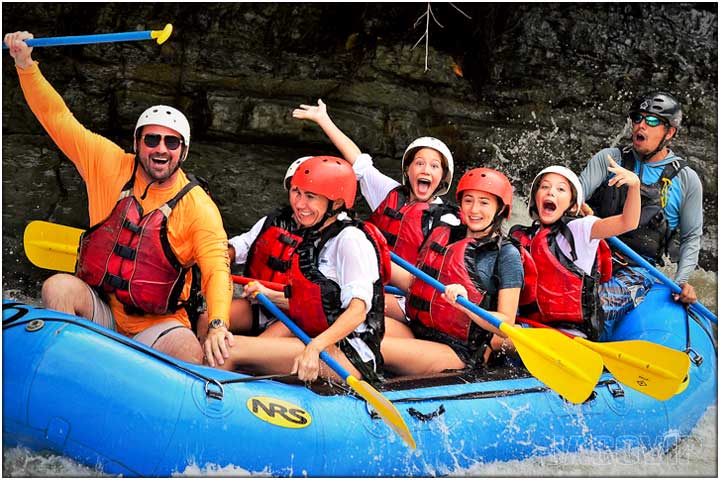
column 82, row 391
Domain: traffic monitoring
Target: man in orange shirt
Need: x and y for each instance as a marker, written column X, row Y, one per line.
column 150, row 225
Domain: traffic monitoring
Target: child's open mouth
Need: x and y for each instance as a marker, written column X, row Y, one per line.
column 549, row 207
column 423, row 187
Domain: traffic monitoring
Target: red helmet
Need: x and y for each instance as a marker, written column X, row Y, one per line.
column 330, row 177
column 490, row 181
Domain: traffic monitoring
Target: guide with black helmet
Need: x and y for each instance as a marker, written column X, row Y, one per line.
column 671, row 217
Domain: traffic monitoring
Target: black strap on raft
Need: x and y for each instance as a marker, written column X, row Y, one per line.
column 688, row 345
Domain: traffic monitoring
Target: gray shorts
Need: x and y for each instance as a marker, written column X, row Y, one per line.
column 102, row 315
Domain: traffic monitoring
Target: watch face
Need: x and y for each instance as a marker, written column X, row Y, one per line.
column 216, row 323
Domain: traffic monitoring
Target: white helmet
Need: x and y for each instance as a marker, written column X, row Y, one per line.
column 565, row 172
column 435, row 144
column 291, row 171
column 166, row 117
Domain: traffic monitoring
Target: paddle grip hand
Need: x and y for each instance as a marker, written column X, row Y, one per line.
column 252, row 289
column 453, row 293
column 19, row 50
column 307, row 364
column 687, row 294
column 292, row 326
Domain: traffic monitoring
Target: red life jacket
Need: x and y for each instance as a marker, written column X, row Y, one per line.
column 129, row 254
column 565, row 293
column 450, row 257
column 406, row 225
column 270, row 255
column 314, row 300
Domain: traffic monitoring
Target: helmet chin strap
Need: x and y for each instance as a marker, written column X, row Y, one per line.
column 329, row 213
column 440, row 186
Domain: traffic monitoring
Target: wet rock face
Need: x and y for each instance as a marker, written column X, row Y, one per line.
column 516, row 87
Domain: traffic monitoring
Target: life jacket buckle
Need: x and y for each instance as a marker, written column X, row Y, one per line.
column 125, row 252
column 391, row 239
column 278, row 265
column 116, row 282
column 288, row 240
column 133, row 227
column 394, row 214
column 436, row 247
column 433, row 272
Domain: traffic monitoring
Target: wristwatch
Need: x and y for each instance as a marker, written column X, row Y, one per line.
column 215, row 323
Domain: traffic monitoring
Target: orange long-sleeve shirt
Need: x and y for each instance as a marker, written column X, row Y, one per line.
column 195, row 228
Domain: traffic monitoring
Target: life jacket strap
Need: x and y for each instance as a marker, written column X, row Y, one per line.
column 419, row 303
column 278, row 265
column 116, row 282
column 394, row 214
column 288, row 240
column 132, row 226
column 125, row 252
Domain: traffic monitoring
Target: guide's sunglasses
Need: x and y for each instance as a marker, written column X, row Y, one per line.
column 650, row 120
column 152, row 140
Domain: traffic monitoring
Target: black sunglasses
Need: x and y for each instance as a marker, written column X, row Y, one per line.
column 650, row 120
column 152, row 140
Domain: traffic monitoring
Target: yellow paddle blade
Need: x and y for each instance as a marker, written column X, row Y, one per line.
column 563, row 365
column 683, row 385
column 647, row 367
column 52, row 246
column 384, row 408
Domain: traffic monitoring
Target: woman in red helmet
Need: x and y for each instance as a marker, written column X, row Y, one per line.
column 474, row 260
column 335, row 293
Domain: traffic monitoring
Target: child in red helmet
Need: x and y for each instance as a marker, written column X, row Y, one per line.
column 441, row 334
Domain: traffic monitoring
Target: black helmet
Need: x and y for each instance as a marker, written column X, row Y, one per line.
column 661, row 104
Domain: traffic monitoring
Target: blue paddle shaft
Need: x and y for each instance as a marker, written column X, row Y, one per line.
column 330, row 361
column 394, row 290
column 699, row 307
column 87, row 39
column 494, row 321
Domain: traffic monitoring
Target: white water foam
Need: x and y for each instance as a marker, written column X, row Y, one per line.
column 695, row 456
